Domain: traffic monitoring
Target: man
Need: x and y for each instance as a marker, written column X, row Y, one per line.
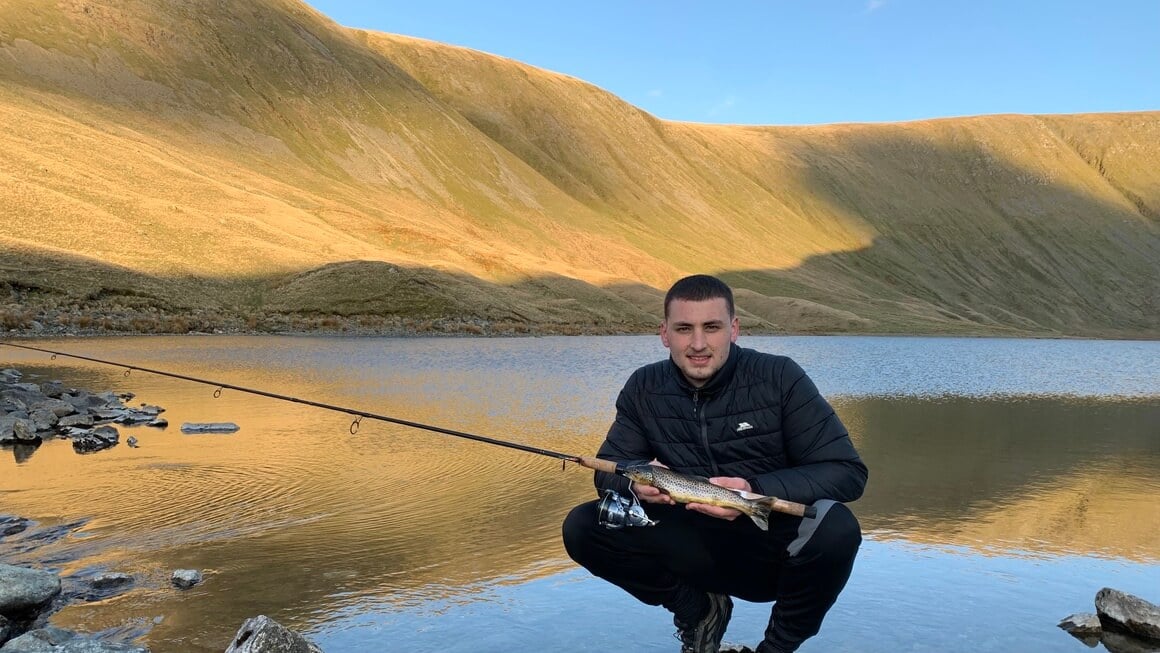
column 747, row 421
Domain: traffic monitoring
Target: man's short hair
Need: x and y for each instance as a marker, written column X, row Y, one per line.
column 699, row 288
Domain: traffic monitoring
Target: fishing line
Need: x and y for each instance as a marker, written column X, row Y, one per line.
column 591, row 462
column 358, row 414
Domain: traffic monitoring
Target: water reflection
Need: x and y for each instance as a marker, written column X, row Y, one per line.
column 295, row 518
column 1050, row 474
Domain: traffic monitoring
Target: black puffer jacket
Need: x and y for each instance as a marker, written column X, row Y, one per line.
column 759, row 418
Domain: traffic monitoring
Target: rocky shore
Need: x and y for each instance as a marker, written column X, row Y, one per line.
column 29, row 596
column 18, row 322
column 31, row 413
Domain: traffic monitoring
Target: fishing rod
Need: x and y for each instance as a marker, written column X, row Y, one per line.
column 591, row 462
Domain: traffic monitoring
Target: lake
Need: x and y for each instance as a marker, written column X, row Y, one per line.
column 1009, row 481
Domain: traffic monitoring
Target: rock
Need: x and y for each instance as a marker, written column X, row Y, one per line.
column 29, row 393
column 107, row 399
column 1129, row 614
column 107, row 414
column 7, row 429
column 159, row 423
column 110, row 579
column 59, row 640
column 97, row 439
column 12, row 525
column 209, row 427
column 262, row 634
column 25, row 431
column 43, row 420
column 185, row 578
column 42, row 640
column 52, row 389
column 7, row 629
column 1083, row 626
column 132, row 442
column 79, row 419
column 132, row 416
column 23, row 590
column 55, row 406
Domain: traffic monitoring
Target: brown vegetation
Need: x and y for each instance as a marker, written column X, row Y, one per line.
column 252, row 165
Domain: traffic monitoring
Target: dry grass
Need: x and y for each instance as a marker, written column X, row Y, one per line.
column 255, row 160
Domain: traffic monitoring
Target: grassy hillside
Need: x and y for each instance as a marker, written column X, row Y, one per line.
column 168, row 166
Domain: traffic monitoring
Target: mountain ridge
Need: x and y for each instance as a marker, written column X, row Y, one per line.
column 255, row 159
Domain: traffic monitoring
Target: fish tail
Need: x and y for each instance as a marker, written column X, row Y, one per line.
column 760, row 513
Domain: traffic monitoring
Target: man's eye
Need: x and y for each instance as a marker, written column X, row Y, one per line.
column 712, row 327
column 684, row 329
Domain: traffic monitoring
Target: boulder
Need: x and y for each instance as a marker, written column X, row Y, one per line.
column 26, row 590
column 110, row 579
column 1122, row 612
column 1084, row 627
column 25, row 430
column 262, row 634
column 52, row 389
column 55, row 406
column 59, row 640
column 99, row 438
column 43, row 420
column 185, row 578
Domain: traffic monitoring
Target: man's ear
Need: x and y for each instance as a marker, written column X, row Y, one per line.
column 664, row 334
column 734, row 329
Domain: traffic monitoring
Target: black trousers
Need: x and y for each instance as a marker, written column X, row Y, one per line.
column 800, row 564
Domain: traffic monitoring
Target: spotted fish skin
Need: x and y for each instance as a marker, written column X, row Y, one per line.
column 684, row 488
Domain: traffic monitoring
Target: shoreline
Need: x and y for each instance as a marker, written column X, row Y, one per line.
column 31, row 323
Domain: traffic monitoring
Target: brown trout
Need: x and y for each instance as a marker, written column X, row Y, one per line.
column 684, row 488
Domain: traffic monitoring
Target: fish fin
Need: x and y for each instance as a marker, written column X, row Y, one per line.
column 752, row 496
column 760, row 517
column 762, row 506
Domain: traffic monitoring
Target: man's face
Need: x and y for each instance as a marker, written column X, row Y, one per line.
column 698, row 335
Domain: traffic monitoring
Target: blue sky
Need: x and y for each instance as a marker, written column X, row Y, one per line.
column 786, row 62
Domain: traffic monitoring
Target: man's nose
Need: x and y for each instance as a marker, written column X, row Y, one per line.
column 698, row 339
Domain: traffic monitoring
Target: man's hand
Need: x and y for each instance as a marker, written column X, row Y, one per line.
column 649, row 494
column 731, row 482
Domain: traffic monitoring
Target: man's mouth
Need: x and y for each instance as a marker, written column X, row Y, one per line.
column 700, row 359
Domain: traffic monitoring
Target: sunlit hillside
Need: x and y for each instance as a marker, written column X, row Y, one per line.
column 167, row 166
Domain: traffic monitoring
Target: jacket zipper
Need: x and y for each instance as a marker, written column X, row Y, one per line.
column 700, row 414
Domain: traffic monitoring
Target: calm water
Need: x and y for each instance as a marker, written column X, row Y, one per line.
column 1010, row 480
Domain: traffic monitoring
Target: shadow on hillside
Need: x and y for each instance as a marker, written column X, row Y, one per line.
column 965, row 242
column 968, row 239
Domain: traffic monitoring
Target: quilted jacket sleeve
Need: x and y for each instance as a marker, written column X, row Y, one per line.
column 625, row 441
column 822, row 461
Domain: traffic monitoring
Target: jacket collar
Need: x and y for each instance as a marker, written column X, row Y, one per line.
column 715, row 382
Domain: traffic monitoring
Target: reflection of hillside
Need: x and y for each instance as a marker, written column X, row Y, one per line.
column 1109, row 510
column 295, row 518
column 1057, row 474
column 293, row 511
